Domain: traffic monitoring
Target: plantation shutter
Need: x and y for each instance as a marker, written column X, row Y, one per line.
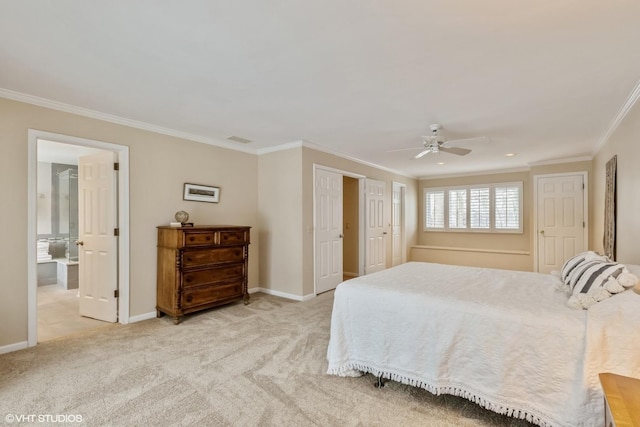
column 434, row 209
column 458, row 208
column 507, row 208
column 480, row 207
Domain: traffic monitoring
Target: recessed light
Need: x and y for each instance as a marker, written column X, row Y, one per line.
column 441, row 163
column 510, row 154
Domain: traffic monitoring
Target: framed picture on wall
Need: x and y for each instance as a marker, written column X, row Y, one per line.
column 201, row 193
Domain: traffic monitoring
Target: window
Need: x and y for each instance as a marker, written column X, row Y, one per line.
column 507, row 208
column 458, row 208
column 484, row 208
column 480, row 208
column 434, row 209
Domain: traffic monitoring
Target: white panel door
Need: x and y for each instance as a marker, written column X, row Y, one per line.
column 328, row 230
column 560, row 218
column 375, row 229
column 397, row 219
column 97, row 244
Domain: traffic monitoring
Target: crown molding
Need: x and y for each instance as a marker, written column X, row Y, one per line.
column 513, row 170
column 559, row 161
column 281, row 147
column 353, row 159
column 316, row 147
column 481, row 173
column 619, row 117
column 67, row 108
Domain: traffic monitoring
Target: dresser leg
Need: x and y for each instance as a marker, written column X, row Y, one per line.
column 177, row 320
column 246, row 299
column 159, row 314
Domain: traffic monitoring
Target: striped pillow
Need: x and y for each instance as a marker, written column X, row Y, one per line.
column 573, row 262
column 593, row 274
column 596, row 280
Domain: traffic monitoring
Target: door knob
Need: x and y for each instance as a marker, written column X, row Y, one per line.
column 341, row 236
column 79, row 242
column 541, row 231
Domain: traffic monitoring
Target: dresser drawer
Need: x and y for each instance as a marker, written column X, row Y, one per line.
column 213, row 275
column 199, row 238
column 194, row 258
column 230, row 237
column 200, row 295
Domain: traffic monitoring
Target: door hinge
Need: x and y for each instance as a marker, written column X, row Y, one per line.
column 116, row 293
column 583, row 185
column 583, row 224
column 116, row 166
column 116, row 231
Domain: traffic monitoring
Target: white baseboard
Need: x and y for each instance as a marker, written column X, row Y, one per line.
column 282, row 294
column 141, row 317
column 14, row 347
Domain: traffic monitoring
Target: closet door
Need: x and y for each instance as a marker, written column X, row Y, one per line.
column 376, row 227
column 328, row 230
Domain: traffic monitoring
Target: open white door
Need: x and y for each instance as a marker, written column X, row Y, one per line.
column 376, row 229
column 328, row 230
column 560, row 220
column 97, row 244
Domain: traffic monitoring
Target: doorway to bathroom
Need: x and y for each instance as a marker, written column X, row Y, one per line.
column 71, row 288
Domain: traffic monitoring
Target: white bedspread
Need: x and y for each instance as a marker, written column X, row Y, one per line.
column 503, row 339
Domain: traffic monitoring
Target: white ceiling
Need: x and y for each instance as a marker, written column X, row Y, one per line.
column 544, row 79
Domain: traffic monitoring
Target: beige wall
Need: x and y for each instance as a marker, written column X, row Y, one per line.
column 159, row 165
column 625, row 143
column 494, row 250
column 280, row 220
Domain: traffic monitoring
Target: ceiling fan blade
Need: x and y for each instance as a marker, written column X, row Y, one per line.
column 465, row 141
column 455, row 150
column 404, row 149
column 417, row 156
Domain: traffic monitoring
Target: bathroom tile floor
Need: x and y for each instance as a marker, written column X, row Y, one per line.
column 59, row 313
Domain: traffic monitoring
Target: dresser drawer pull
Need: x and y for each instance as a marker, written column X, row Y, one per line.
column 188, row 279
column 191, row 239
column 189, row 259
column 189, row 298
column 208, row 238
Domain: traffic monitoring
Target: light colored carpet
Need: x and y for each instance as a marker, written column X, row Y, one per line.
column 258, row 365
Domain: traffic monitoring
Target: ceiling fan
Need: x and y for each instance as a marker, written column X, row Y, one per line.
column 436, row 143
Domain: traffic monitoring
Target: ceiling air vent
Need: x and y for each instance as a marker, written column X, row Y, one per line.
column 238, row 139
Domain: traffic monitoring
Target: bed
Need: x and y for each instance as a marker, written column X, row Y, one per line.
column 506, row 340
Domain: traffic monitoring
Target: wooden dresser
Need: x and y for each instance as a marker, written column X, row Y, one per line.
column 201, row 267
